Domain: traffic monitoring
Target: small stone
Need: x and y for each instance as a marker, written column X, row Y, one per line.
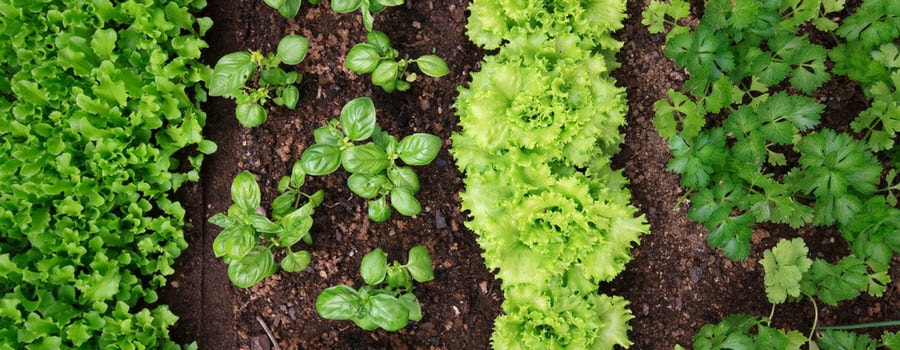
column 260, row 342
column 439, row 221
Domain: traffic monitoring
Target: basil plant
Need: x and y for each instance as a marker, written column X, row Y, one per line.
column 248, row 239
column 387, row 300
column 373, row 166
column 233, row 73
column 376, row 56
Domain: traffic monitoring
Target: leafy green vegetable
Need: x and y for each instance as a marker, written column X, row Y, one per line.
column 95, row 101
column 539, row 123
column 389, row 307
column 248, row 239
column 785, row 265
column 375, row 174
column 234, row 71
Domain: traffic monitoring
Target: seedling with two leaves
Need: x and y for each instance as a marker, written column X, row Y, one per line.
column 248, row 239
column 376, row 56
column 233, row 73
column 375, row 174
column 387, row 300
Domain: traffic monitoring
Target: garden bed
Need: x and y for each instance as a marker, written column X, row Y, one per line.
column 676, row 282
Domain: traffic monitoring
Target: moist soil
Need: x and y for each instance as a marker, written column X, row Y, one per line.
column 676, row 282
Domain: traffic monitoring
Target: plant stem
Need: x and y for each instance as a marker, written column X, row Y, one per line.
column 682, row 199
column 815, row 319
column 771, row 314
column 864, row 325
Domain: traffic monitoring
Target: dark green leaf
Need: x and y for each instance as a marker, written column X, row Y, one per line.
column 367, row 186
column 379, row 210
column 320, row 159
column 388, row 312
column 419, row 149
column 363, row 58
column 364, row 159
column 295, row 261
column 403, row 200
column 358, row 118
column 289, row 96
column 387, row 72
column 344, row 6
column 404, row 177
column 252, row 268
column 419, row 264
column 337, row 303
column 250, row 114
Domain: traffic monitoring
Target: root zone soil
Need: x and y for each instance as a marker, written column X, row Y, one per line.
column 675, row 283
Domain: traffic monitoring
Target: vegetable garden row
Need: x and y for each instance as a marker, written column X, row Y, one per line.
column 102, row 123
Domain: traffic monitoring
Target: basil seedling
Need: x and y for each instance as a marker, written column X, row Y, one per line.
column 375, row 174
column 248, row 238
column 233, row 72
column 377, row 57
column 387, row 300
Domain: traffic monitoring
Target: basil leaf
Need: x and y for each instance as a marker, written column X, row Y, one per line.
column 298, row 176
column 261, row 223
column 344, row 6
column 390, row 2
column 367, row 18
column 386, row 73
column 289, row 96
column 419, row 264
column 403, row 200
column 397, row 277
column 274, row 3
column 364, row 159
column 404, row 177
column 328, row 135
column 373, row 267
column 381, row 42
column 337, row 303
column 412, row 304
column 365, row 323
column 252, row 268
column 296, row 227
column 388, row 312
column 292, row 49
column 250, row 114
column 366, row 186
column 234, row 242
column 383, row 140
column 320, row 159
column 316, row 198
column 222, row 221
column 419, row 149
column 273, row 76
column 358, row 118
column 290, row 8
column 231, row 73
column 295, row 261
column 363, row 58
column 432, row 65
column 379, row 210
column 283, row 204
column 245, row 192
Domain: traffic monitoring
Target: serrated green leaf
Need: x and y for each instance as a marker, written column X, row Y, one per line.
column 785, row 265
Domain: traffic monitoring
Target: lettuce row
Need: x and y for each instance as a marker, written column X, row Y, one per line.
column 540, row 123
column 96, row 100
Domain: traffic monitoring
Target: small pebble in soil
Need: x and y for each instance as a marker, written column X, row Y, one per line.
column 260, row 342
column 439, row 221
column 696, row 273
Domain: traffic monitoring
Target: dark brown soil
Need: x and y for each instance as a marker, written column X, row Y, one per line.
column 675, row 283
